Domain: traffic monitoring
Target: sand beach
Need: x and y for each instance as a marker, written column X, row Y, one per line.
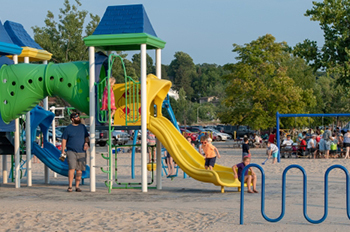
column 182, row 204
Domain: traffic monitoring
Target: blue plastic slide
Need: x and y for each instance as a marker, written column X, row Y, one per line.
column 49, row 155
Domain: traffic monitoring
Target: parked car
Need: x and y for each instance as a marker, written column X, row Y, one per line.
column 186, row 133
column 240, row 131
column 218, row 135
column 120, row 137
column 101, row 136
column 60, row 128
column 38, row 131
column 200, row 130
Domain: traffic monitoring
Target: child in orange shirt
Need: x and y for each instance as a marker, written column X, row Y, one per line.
column 210, row 153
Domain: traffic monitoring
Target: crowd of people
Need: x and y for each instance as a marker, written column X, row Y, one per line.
column 318, row 143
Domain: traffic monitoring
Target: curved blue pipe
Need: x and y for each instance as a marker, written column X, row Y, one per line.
column 304, row 193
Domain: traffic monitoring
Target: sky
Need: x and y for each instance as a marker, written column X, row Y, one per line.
column 204, row 29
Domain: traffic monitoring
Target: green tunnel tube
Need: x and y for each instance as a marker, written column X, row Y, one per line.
column 23, row 86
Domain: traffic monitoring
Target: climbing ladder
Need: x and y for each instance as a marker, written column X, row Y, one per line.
column 132, row 115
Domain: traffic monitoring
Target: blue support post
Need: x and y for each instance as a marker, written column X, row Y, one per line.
column 133, row 154
column 278, row 136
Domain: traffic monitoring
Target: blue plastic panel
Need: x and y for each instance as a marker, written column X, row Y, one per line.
column 125, row 19
column 19, row 35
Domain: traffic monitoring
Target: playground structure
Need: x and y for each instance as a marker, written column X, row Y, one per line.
column 15, row 43
column 75, row 82
column 278, row 116
column 304, row 193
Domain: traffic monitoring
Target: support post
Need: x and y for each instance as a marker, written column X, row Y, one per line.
column 278, row 136
column 143, row 119
column 28, row 143
column 17, row 145
column 92, row 118
column 53, row 109
column 46, row 168
column 4, row 169
column 159, row 146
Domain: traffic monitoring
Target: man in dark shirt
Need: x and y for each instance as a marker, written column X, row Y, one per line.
column 75, row 138
column 245, row 148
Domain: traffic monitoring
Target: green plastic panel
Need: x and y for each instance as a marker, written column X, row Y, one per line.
column 124, row 42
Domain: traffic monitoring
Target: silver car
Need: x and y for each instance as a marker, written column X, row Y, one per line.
column 120, row 137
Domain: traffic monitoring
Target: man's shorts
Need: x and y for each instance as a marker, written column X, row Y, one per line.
column 275, row 154
column 210, row 162
column 326, row 145
column 76, row 160
column 321, row 145
column 149, row 149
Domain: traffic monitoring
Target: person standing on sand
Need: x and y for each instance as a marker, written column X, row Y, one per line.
column 347, row 143
column 327, row 136
column 272, row 137
column 76, row 138
column 272, row 150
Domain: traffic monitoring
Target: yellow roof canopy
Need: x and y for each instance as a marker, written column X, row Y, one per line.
column 33, row 54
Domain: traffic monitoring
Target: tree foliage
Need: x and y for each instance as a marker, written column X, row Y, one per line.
column 181, row 71
column 333, row 17
column 64, row 39
column 258, row 85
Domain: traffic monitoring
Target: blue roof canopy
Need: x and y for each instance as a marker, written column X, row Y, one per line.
column 20, row 36
column 125, row 19
column 7, row 47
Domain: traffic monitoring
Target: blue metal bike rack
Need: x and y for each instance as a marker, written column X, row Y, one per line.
column 304, row 193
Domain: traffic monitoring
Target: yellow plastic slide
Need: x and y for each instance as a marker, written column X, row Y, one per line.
column 187, row 157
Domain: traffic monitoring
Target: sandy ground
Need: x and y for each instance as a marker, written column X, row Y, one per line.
column 182, row 204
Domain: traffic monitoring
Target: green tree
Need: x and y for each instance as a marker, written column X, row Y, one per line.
column 208, row 81
column 258, row 85
column 181, row 71
column 136, row 60
column 184, row 110
column 333, row 57
column 64, row 39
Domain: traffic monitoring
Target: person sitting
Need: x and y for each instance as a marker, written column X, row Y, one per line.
column 302, row 146
column 257, row 140
column 287, row 144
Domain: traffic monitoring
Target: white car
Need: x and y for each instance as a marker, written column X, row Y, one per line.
column 220, row 136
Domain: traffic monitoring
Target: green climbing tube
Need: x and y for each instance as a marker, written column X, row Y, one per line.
column 23, row 86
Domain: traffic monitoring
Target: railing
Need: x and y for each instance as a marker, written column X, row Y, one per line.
column 304, row 193
column 132, row 94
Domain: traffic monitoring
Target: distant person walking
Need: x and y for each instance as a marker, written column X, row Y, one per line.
column 245, row 148
column 272, row 137
column 347, row 143
column 327, row 137
column 76, row 139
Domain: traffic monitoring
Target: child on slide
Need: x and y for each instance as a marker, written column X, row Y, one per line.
column 249, row 179
column 105, row 98
column 210, row 153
